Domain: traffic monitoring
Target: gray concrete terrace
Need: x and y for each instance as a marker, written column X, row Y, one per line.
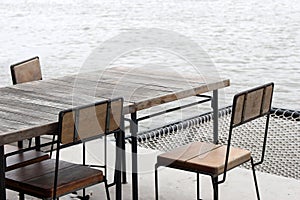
column 176, row 184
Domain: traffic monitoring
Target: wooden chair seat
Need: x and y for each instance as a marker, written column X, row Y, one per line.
column 22, row 159
column 204, row 157
column 38, row 179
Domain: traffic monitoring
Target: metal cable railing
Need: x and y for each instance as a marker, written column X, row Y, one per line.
column 283, row 145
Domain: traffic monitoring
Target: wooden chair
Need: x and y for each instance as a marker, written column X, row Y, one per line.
column 26, row 71
column 14, row 161
column 214, row 159
column 53, row 178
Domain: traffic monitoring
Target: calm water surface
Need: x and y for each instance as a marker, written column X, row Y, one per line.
column 249, row 42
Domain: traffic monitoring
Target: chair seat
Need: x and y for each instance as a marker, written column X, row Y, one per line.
column 38, row 179
column 203, row 157
column 22, row 159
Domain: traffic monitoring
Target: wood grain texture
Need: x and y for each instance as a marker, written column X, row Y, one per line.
column 37, row 179
column 92, row 121
column 213, row 162
column 24, row 159
column 203, row 157
column 68, row 127
column 32, row 106
column 267, row 99
column 252, row 103
column 239, row 106
column 27, row 71
column 181, row 155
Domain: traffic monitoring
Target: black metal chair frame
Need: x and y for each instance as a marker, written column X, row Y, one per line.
column 215, row 180
column 77, row 140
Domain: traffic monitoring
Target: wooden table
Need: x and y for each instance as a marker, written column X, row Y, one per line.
column 30, row 109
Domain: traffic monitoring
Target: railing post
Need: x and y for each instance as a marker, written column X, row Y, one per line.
column 215, row 107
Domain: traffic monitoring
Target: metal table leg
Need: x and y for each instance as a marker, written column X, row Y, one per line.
column 215, row 116
column 123, row 156
column 2, row 175
column 216, row 134
column 134, row 130
column 119, row 143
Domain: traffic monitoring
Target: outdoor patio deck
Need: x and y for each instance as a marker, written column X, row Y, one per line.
column 178, row 185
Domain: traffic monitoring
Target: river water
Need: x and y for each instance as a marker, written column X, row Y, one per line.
column 251, row 42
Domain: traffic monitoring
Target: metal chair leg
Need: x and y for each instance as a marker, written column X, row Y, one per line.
column 156, row 182
column 124, row 178
column 198, row 186
column 29, row 142
column 255, row 179
column 21, row 196
column 20, row 144
column 83, row 192
column 37, row 141
column 215, row 187
column 106, row 190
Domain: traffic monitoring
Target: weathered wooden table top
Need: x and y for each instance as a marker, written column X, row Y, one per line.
column 31, row 109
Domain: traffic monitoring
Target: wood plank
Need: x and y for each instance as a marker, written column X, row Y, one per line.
column 141, row 104
column 239, row 106
column 184, row 153
column 45, row 86
column 267, row 98
column 55, row 100
column 13, row 124
column 124, row 91
column 40, row 184
column 116, row 86
column 29, row 105
column 214, row 161
column 166, row 74
column 58, row 94
column 35, row 170
column 28, row 131
column 59, row 101
column 23, row 123
column 146, row 102
column 26, row 71
column 24, row 159
column 85, row 95
column 118, row 77
column 9, row 125
column 253, row 104
column 128, row 97
column 204, row 157
column 21, row 118
column 26, row 112
column 29, row 99
column 136, row 73
column 82, row 92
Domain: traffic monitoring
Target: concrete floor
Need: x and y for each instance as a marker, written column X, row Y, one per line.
column 176, row 184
